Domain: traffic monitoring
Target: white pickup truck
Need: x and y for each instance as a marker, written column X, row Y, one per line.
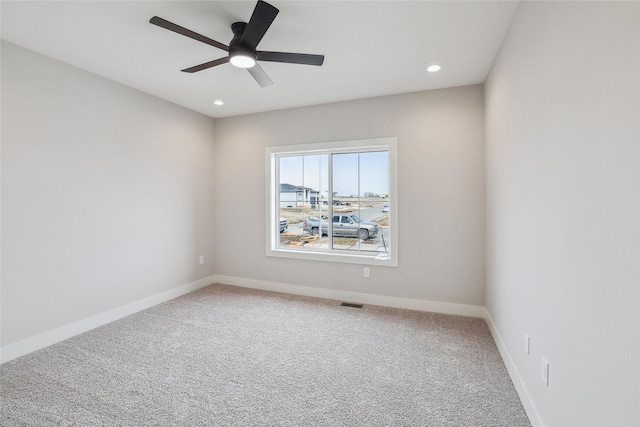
column 348, row 225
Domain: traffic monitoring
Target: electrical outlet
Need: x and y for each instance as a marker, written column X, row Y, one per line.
column 527, row 344
column 545, row 372
column 367, row 272
column 201, row 259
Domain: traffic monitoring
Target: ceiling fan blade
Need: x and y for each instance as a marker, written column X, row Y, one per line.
column 291, row 58
column 206, row 65
column 156, row 20
column 260, row 75
column 261, row 19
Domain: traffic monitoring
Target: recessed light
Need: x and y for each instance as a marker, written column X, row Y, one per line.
column 218, row 102
column 433, row 68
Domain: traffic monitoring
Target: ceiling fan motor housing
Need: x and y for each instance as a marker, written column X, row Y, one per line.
column 235, row 47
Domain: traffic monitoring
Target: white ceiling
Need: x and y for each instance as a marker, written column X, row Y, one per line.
column 371, row 48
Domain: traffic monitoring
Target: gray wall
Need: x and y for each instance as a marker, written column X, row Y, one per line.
column 107, row 195
column 441, row 193
column 563, row 208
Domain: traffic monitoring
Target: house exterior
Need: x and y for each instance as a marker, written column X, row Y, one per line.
column 292, row 196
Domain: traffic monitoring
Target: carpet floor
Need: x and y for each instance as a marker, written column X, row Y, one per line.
column 229, row 356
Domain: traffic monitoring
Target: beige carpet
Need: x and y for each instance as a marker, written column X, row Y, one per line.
column 228, row 356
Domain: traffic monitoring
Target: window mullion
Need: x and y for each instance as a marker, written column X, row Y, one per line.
column 330, row 216
column 319, row 197
column 276, row 191
column 359, row 201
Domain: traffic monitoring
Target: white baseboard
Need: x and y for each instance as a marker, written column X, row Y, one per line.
column 525, row 397
column 29, row 345
column 356, row 297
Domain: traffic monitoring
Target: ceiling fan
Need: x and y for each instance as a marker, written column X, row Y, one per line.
column 242, row 48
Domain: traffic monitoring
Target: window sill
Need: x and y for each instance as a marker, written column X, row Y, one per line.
column 379, row 259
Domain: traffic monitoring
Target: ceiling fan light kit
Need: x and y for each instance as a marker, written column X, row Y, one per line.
column 242, row 60
column 241, row 50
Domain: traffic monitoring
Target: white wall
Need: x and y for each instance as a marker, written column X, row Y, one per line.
column 562, row 105
column 441, row 201
column 107, row 195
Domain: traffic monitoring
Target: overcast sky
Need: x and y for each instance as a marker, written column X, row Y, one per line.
column 312, row 171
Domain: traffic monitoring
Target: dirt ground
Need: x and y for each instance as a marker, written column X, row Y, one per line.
column 298, row 240
column 294, row 215
column 383, row 221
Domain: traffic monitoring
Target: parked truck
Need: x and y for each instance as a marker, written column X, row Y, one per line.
column 347, row 225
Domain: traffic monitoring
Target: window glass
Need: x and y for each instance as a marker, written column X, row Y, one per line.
column 302, row 182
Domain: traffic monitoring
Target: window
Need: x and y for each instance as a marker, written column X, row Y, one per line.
column 333, row 201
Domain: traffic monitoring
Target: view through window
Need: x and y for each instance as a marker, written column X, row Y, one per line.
column 333, row 201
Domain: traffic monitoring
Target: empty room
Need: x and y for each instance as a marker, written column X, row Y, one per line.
column 399, row 213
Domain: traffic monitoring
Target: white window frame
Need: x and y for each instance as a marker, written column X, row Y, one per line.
column 272, row 219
